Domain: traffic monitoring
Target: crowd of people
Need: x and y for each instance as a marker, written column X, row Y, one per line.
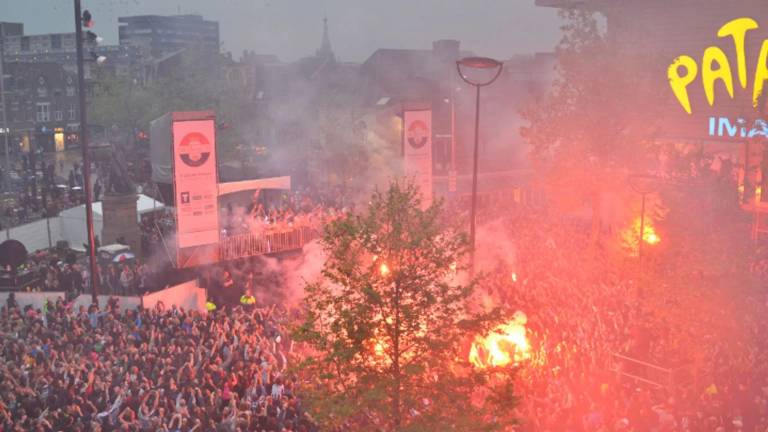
column 147, row 370
column 50, row 270
column 262, row 217
column 604, row 358
column 585, row 308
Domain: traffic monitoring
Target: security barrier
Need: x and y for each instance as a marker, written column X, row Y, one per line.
column 252, row 244
column 642, row 372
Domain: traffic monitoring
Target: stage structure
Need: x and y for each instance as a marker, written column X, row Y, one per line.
column 417, row 151
column 184, row 166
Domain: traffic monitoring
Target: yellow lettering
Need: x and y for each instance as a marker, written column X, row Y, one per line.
column 709, row 75
column 761, row 74
column 680, row 83
column 738, row 29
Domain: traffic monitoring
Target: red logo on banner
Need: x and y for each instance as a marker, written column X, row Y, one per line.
column 417, row 134
column 195, row 149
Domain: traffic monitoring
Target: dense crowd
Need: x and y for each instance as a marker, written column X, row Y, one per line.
column 146, row 370
column 584, row 307
column 262, row 217
column 51, row 271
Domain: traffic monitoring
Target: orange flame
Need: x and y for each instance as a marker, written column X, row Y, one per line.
column 506, row 344
column 384, row 269
column 629, row 236
column 649, row 233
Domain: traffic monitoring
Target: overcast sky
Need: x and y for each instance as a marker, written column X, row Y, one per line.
column 292, row 28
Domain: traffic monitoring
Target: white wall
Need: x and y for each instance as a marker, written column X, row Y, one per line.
column 34, row 236
column 73, row 228
column 35, row 299
column 186, row 295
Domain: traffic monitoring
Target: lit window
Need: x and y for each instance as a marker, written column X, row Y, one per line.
column 43, row 112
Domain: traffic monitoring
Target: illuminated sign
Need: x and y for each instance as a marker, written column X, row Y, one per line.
column 723, row 127
column 195, row 183
column 417, row 150
column 716, row 67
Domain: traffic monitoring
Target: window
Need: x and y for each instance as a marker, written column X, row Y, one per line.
column 58, row 115
column 42, row 90
column 56, row 41
column 70, row 91
column 43, row 113
column 71, row 112
column 25, row 43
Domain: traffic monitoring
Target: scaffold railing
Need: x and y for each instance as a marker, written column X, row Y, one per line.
column 253, row 244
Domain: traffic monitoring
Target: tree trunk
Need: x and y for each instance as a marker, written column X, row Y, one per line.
column 396, row 420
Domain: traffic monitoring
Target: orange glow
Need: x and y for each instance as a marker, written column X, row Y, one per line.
column 506, row 345
column 649, row 234
column 514, row 277
column 651, row 238
column 630, row 234
column 384, row 269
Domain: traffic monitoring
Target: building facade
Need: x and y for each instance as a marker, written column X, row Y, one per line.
column 156, row 35
column 661, row 31
column 61, row 48
column 41, row 99
column 726, row 124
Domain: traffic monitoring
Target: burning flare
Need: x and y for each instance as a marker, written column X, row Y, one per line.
column 630, row 235
column 649, row 233
column 506, row 344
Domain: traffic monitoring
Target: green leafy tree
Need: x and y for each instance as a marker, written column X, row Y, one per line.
column 196, row 84
column 590, row 131
column 339, row 155
column 121, row 102
column 389, row 326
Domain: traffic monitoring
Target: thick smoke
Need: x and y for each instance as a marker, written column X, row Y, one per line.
column 495, row 247
column 282, row 281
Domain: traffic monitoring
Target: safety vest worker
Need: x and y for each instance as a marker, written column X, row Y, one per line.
column 210, row 306
column 247, row 300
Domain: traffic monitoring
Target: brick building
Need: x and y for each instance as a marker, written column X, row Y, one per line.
column 41, row 99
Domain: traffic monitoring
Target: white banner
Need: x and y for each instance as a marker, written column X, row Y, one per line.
column 417, row 148
column 195, row 183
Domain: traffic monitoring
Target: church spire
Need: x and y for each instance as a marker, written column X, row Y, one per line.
column 325, row 50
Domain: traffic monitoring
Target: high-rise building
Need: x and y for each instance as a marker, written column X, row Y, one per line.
column 156, row 35
column 60, row 48
column 11, row 29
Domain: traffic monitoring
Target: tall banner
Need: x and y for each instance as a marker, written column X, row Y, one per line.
column 417, row 151
column 196, row 183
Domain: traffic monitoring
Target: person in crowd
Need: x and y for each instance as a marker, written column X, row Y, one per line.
column 147, row 370
column 113, row 280
column 127, row 278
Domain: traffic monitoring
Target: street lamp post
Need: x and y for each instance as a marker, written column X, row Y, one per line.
column 494, row 66
column 6, row 129
column 86, row 157
column 643, row 185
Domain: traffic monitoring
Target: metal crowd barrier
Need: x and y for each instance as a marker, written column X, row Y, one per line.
column 252, row 244
column 642, row 372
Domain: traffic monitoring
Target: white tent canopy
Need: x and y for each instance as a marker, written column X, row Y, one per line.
column 73, row 220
